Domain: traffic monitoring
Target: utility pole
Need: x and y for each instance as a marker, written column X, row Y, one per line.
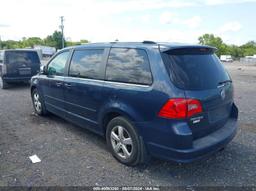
column 0, row 43
column 62, row 29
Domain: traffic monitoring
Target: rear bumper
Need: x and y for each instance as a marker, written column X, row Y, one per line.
column 16, row 79
column 201, row 147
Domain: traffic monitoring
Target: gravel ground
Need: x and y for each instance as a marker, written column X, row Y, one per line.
column 72, row 156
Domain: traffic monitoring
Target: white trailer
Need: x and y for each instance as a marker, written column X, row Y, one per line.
column 226, row 58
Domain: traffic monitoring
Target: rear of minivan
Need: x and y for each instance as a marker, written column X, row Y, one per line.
column 19, row 65
column 202, row 121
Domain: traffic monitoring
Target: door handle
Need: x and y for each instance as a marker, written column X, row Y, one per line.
column 67, row 85
column 58, row 84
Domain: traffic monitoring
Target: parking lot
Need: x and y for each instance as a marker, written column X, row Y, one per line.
column 72, row 156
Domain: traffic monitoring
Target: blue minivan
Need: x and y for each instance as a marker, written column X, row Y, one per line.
column 164, row 100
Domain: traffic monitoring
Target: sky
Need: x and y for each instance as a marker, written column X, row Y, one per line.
column 130, row 20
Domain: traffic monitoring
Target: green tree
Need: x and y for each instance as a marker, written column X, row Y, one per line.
column 211, row 40
column 54, row 40
column 30, row 42
column 71, row 43
column 10, row 44
column 249, row 48
column 84, row 41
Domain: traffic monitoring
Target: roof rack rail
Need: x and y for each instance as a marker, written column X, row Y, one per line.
column 148, row 42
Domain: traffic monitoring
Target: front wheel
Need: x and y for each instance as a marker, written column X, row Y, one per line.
column 38, row 103
column 123, row 141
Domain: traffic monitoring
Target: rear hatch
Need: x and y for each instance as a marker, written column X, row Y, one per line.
column 22, row 63
column 200, row 74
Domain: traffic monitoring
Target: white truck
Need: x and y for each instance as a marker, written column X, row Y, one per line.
column 226, row 58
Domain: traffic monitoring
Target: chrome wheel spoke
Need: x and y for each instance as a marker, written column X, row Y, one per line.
column 117, row 147
column 120, row 132
column 127, row 141
column 125, row 151
column 115, row 136
column 36, row 97
column 39, row 106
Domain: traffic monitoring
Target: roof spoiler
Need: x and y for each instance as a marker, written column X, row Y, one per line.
column 166, row 48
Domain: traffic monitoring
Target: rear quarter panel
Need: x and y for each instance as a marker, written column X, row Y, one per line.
column 140, row 103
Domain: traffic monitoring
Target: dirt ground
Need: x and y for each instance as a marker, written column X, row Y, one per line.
column 72, row 156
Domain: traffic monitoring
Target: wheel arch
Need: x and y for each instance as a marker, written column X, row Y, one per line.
column 107, row 115
column 32, row 89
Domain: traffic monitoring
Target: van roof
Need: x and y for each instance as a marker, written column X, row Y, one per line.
column 145, row 44
column 20, row 49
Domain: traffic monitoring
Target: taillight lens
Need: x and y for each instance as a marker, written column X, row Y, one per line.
column 180, row 108
column 193, row 107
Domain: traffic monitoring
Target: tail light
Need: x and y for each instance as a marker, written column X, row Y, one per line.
column 180, row 108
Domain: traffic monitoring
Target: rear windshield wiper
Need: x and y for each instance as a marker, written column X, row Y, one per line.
column 224, row 82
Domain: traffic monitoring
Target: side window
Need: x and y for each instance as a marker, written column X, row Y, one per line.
column 57, row 65
column 86, row 63
column 128, row 65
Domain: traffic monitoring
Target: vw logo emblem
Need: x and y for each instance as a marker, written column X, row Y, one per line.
column 223, row 94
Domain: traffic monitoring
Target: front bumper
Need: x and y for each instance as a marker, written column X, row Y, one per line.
column 201, row 148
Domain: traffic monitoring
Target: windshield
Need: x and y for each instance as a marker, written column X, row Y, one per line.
column 194, row 69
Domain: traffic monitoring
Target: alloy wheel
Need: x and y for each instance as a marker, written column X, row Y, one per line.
column 121, row 141
column 37, row 103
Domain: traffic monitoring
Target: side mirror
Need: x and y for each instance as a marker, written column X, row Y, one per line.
column 51, row 71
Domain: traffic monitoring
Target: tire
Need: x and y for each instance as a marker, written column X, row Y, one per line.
column 38, row 103
column 120, row 133
column 3, row 84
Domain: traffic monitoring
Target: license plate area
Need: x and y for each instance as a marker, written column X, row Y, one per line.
column 219, row 113
column 24, row 71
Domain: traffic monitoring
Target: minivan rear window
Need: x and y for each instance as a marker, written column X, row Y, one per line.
column 22, row 58
column 194, row 69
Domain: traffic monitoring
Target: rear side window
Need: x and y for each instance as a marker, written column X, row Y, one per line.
column 194, row 69
column 86, row 64
column 128, row 65
column 22, row 58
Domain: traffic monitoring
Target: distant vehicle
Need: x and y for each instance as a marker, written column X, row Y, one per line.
column 250, row 57
column 18, row 66
column 169, row 101
column 46, row 51
column 226, row 58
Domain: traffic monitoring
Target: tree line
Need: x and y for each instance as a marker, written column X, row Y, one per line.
column 55, row 40
column 247, row 49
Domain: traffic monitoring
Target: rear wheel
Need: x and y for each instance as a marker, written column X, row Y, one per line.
column 123, row 141
column 38, row 103
column 3, row 83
